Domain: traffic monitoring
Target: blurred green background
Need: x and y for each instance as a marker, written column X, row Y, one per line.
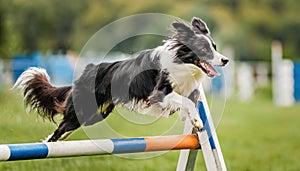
column 254, row 134
column 248, row 25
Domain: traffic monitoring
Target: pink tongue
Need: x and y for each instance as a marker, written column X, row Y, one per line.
column 212, row 71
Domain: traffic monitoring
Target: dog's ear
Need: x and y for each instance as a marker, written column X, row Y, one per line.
column 200, row 25
column 181, row 27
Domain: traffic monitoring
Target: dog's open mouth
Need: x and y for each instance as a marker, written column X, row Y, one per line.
column 208, row 69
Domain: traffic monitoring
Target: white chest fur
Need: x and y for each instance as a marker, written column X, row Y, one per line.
column 185, row 78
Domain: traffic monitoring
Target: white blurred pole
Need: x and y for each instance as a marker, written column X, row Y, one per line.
column 229, row 72
column 282, row 81
column 245, row 81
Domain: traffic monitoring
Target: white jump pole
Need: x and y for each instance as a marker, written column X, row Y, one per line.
column 208, row 139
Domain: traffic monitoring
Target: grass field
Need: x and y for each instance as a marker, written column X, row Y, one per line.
column 254, row 136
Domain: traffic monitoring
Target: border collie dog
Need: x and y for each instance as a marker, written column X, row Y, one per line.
column 157, row 81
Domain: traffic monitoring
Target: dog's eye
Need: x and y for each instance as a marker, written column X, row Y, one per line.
column 204, row 50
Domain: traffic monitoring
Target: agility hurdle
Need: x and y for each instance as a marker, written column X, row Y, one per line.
column 208, row 140
column 27, row 151
column 188, row 143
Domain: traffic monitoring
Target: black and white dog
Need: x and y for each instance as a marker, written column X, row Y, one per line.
column 157, row 81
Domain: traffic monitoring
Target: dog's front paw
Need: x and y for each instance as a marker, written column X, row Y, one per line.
column 195, row 119
column 197, row 122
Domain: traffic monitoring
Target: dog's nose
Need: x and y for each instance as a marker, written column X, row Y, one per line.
column 225, row 61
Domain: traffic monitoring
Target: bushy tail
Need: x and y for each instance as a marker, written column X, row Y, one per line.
column 40, row 95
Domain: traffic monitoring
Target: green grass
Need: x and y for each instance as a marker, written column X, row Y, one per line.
column 253, row 136
column 260, row 136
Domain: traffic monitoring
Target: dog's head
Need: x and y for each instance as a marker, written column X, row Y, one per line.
column 194, row 45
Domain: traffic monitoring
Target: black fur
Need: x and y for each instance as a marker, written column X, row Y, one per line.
column 100, row 87
column 107, row 84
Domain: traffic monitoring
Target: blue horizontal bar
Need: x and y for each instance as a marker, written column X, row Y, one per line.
column 128, row 145
column 28, row 151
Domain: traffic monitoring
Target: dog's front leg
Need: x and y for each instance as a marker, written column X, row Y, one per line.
column 194, row 96
column 187, row 108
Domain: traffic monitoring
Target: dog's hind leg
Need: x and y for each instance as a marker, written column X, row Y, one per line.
column 65, row 135
column 69, row 123
column 64, row 129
